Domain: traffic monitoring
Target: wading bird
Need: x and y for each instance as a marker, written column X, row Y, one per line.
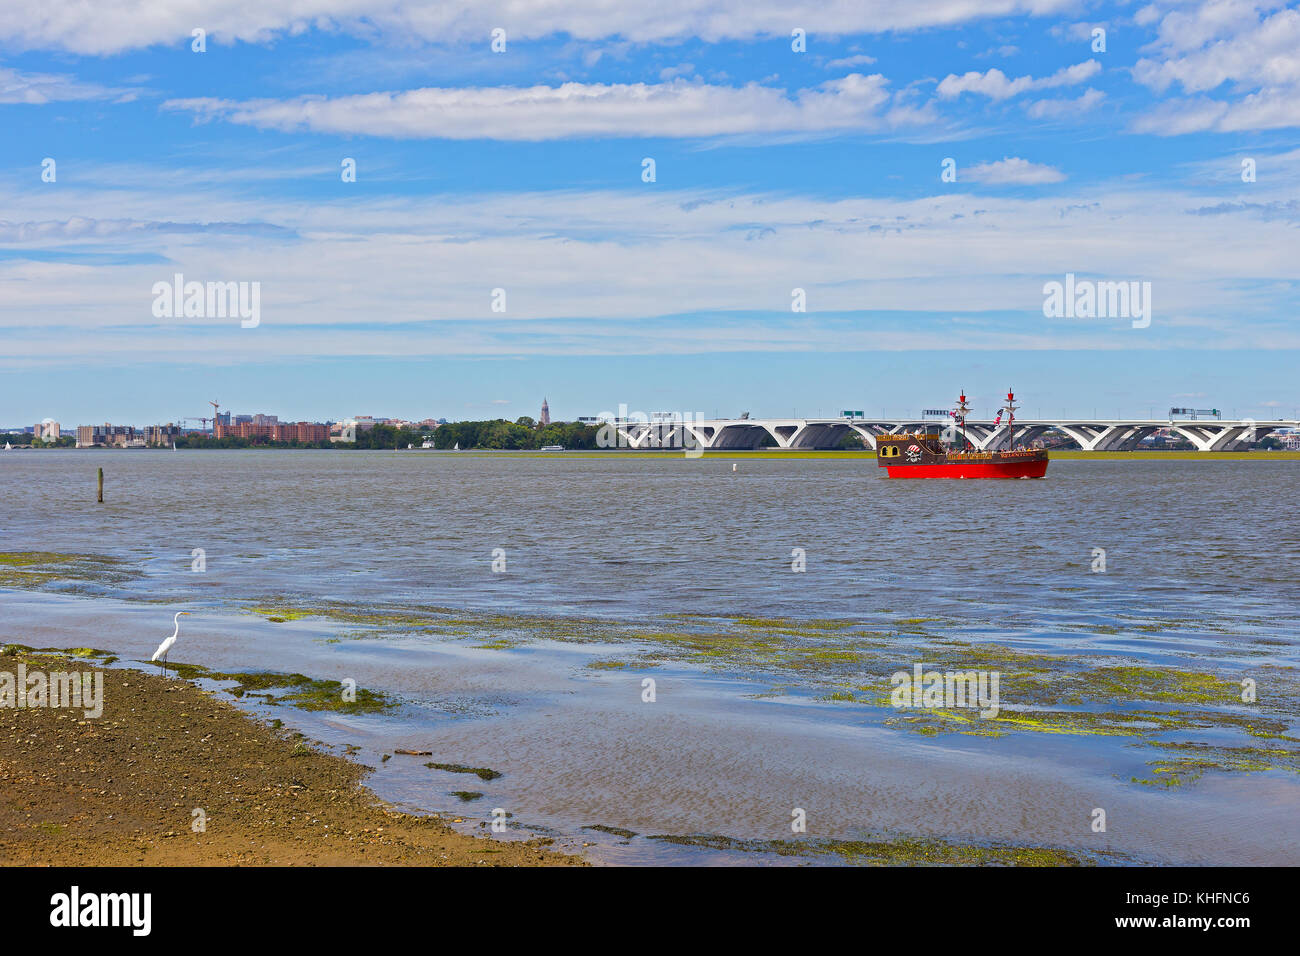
column 166, row 645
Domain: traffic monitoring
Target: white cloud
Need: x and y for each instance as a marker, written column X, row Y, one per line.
column 1204, row 48
column 1181, row 116
column 80, row 228
column 40, row 88
column 111, row 26
column 996, row 85
column 1076, row 32
column 1013, row 171
column 675, row 109
column 1246, row 49
column 1147, row 15
column 1059, row 109
column 673, row 72
column 849, row 62
column 597, row 268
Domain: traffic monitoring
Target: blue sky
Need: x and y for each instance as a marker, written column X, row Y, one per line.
column 522, row 170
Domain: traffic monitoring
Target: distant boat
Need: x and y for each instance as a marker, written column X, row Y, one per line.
column 552, row 448
column 456, row 447
column 8, row 447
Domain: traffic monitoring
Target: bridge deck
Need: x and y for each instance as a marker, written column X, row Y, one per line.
column 1092, row 434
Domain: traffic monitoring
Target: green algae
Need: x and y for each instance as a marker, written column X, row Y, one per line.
column 848, row 663
column 36, row 569
column 899, row 851
column 483, row 773
column 1160, row 684
column 498, row 645
column 465, row 796
column 328, row 695
column 84, row 653
column 781, row 623
column 612, row 831
column 1080, row 723
column 839, row 695
column 23, row 559
column 301, row 691
column 279, row 614
column 1190, row 759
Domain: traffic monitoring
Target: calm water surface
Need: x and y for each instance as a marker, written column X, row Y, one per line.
column 1201, row 561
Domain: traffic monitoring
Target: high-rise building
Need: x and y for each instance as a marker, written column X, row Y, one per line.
column 280, row 431
column 47, row 430
column 111, row 436
column 545, row 418
column 161, row 435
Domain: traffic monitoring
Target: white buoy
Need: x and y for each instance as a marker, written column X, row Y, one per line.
column 733, row 466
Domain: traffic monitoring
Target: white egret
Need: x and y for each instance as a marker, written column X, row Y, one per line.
column 166, row 645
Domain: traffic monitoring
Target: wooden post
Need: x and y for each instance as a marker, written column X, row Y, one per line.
column 101, row 486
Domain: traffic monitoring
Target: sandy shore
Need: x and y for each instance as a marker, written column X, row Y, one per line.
column 121, row 789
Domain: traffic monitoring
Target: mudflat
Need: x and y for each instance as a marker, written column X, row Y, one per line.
column 122, row 789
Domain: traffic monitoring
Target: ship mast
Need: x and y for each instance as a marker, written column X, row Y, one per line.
column 1011, row 421
column 960, row 414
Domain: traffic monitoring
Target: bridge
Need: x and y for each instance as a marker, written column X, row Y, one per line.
column 987, row 435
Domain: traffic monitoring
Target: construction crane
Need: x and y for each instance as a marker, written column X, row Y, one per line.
column 216, row 412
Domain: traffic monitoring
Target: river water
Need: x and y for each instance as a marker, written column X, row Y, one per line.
column 624, row 554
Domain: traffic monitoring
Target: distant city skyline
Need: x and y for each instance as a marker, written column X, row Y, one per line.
column 1124, row 385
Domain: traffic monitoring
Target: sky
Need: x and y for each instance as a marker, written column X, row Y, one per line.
column 456, row 209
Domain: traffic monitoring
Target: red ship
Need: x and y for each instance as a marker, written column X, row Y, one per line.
column 930, row 455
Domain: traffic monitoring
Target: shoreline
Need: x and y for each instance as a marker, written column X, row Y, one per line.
column 170, row 775
column 615, row 819
column 769, row 454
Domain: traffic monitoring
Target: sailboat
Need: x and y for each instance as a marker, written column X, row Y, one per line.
column 8, row 447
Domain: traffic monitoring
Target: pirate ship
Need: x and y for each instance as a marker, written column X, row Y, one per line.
column 946, row 453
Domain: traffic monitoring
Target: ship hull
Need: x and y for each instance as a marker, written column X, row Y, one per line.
column 1031, row 468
